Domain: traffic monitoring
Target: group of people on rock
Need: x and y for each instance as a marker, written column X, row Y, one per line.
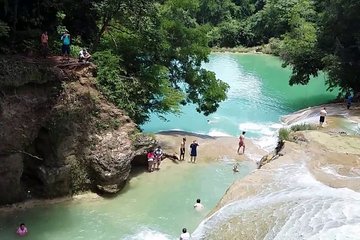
column 84, row 55
column 154, row 158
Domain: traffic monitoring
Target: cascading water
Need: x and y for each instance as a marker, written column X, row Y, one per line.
column 293, row 206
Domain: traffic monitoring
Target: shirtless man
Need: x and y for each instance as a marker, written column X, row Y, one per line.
column 241, row 142
column 323, row 114
column 182, row 150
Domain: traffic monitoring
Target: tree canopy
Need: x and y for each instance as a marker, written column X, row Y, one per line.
column 149, row 52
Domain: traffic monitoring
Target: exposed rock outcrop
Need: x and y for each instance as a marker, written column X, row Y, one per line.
column 58, row 134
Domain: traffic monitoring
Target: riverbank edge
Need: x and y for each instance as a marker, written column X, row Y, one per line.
column 172, row 149
column 261, row 49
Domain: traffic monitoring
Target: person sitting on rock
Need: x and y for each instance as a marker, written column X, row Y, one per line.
column 84, row 55
column 22, row 230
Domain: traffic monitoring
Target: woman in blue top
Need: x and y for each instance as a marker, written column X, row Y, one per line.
column 193, row 152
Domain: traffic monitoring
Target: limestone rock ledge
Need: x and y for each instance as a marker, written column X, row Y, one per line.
column 58, row 134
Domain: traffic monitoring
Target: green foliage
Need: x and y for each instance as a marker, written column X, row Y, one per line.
column 4, row 29
column 284, row 134
column 328, row 42
column 303, row 127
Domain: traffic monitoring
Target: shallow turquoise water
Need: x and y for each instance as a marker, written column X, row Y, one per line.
column 152, row 206
column 158, row 206
column 259, row 95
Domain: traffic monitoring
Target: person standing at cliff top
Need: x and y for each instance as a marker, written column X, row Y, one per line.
column 66, row 41
column 44, row 39
column 158, row 153
column 22, row 230
column 323, row 114
column 241, row 143
column 193, row 152
column 182, row 150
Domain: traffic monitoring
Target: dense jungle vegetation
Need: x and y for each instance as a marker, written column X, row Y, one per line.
column 149, row 52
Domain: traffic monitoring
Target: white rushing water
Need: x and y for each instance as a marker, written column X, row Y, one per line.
column 300, row 208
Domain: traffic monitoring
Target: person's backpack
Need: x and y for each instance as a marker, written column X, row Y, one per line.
column 66, row 40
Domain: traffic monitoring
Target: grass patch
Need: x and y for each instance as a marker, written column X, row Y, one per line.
column 284, row 134
column 302, row 127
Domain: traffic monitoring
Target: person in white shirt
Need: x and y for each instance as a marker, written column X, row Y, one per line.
column 185, row 235
column 198, row 206
column 323, row 114
column 84, row 55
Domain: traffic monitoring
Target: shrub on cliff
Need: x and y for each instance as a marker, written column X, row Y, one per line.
column 284, row 134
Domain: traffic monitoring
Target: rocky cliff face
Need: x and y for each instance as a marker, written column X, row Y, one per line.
column 58, row 134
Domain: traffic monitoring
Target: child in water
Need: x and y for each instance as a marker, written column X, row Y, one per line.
column 235, row 168
column 22, row 230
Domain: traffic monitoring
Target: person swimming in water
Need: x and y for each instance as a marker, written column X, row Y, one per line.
column 182, row 150
column 241, row 143
column 22, row 230
column 185, row 235
column 235, row 168
column 198, row 206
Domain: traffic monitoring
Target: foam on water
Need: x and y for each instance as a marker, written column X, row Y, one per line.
column 148, row 234
column 218, row 133
column 312, row 209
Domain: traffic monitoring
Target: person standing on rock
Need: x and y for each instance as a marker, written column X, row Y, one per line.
column 44, row 39
column 193, row 152
column 150, row 158
column 241, row 143
column 349, row 100
column 182, row 150
column 66, row 41
column 158, row 156
column 323, row 114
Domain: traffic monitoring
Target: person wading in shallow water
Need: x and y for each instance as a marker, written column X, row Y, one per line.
column 193, row 152
column 22, row 230
column 185, row 235
column 241, row 143
column 182, row 150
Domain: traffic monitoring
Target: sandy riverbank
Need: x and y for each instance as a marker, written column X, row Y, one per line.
column 210, row 148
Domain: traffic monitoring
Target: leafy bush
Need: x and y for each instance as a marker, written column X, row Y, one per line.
column 284, row 134
column 302, row 127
